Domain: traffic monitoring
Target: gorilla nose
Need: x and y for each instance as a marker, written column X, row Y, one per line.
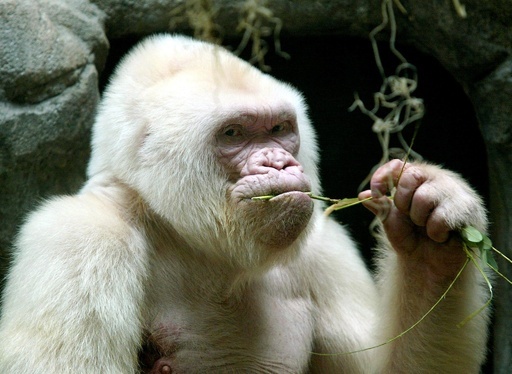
column 265, row 159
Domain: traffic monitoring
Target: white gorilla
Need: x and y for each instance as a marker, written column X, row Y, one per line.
column 163, row 263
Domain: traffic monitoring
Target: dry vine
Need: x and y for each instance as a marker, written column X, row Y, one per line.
column 394, row 105
column 200, row 15
column 256, row 22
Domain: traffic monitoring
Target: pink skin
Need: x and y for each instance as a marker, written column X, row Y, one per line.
column 270, row 171
column 258, row 153
column 414, row 221
column 161, row 366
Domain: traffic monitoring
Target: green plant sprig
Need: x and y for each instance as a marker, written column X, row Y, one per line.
column 443, row 296
column 336, row 204
column 310, row 194
column 479, row 242
column 471, row 237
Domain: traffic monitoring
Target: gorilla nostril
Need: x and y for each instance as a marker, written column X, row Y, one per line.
column 278, row 159
column 277, row 164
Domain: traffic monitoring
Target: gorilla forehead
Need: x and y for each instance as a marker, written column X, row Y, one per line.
column 164, row 56
column 195, row 68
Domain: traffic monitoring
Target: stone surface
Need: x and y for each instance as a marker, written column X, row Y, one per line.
column 50, row 55
column 492, row 101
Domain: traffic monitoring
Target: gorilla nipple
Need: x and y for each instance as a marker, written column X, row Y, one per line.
column 165, row 369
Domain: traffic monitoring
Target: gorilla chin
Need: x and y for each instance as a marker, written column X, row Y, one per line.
column 288, row 216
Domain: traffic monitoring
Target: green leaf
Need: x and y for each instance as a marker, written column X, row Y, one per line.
column 485, row 244
column 484, row 256
column 492, row 262
column 471, row 235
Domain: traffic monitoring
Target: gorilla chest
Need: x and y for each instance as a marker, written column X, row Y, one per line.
column 259, row 333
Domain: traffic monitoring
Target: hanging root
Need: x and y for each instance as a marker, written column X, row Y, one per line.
column 257, row 22
column 200, row 16
column 394, row 105
column 460, row 9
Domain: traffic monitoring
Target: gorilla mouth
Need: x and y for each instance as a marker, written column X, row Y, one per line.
column 275, row 185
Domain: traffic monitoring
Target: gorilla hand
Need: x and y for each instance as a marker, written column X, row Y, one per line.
column 429, row 204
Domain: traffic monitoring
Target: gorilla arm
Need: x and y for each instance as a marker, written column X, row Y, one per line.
column 420, row 256
column 345, row 301
column 81, row 269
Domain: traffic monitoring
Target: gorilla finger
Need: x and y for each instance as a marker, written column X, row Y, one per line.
column 410, row 180
column 422, row 205
column 437, row 227
column 378, row 206
column 385, row 177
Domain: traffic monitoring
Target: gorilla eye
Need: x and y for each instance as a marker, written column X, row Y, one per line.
column 280, row 127
column 231, row 132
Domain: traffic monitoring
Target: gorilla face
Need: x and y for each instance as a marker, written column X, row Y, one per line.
column 258, row 154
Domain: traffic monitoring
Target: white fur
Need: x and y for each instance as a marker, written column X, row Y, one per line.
column 150, row 244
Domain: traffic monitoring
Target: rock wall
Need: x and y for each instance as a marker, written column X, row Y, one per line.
column 50, row 55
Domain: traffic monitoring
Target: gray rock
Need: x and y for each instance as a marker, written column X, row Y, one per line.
column 51, row 52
